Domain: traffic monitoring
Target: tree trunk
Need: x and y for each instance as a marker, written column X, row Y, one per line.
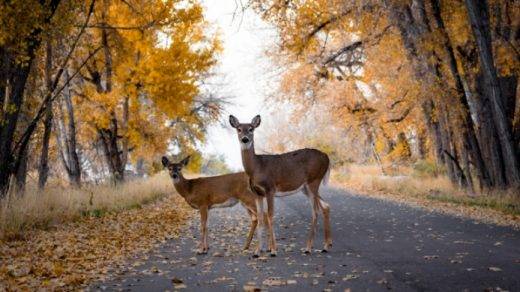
column 66, row 136
column 17, row 77
column 488, row 136
column 43, row 168
column 109, row 136
column 124, row 124
column 470, row 141
column 8, row 161
column 434, row 130
column 21, row 174
column 479, row 18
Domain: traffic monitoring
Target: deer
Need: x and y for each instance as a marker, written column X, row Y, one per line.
column 221, row 191
column 285, row 174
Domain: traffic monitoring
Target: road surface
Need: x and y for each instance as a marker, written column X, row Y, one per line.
column 377, row 245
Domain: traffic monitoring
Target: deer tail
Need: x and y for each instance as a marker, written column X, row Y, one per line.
column 325, row 180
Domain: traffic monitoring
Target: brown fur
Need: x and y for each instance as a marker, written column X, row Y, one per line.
column 205, row 193
column 271, row 174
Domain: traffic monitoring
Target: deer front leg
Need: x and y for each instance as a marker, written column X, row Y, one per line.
column 254, row 223
column 314, row 223
column 270, row 223
column 312, row 195
column 203, row 230
column 260, row 216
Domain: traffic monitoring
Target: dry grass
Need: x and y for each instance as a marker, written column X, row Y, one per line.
column 58, row 204
column 407, row 184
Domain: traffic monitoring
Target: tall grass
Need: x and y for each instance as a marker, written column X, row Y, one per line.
column 57, row 204
column 423, row 182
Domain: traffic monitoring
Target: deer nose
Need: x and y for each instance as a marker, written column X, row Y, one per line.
column 245, row 140
column 175, row 176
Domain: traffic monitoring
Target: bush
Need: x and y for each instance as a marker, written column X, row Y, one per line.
column 426, row 168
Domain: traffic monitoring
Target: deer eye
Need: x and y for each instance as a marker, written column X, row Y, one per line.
column 239, row 130
column 250, row 130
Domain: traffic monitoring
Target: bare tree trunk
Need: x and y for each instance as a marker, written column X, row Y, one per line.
column 10, row 121
column 470, row 141
column 479, row 18
column 11, row 159
column 108, row 140
column 434, row 130
column 124, row 124
column 74, row 162
column 43, row 168
column 21, row 174
column 66, row 136
column 448, row 146
column 109, row 137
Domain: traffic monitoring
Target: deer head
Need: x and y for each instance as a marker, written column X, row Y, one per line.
column 245, row 131
column 175, row 168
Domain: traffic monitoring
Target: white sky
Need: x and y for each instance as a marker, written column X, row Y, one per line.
column 247, row 72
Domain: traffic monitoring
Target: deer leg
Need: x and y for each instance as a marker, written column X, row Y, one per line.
column 254, row 223
column 270, row 215
column 260, row 216
column 203, row 229
column 314, row 221
column 325, row 209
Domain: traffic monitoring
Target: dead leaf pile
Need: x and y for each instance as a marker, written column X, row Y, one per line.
column 72, row 255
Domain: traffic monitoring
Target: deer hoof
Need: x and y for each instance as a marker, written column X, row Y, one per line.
column 273, row 254
column 307, row 251
column 255, row 256
column 324, row 250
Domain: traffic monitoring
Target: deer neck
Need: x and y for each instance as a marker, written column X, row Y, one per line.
column 182, row 185
column 249, row 159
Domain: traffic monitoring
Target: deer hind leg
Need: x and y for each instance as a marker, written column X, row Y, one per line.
column 270, row 224
column 204, row 232
column 325, row 209
column 254, row 223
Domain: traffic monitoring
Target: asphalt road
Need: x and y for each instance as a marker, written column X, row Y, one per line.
column 377, row 245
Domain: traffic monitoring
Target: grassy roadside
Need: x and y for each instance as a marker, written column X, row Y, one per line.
column 79, row 238
column 57, row 204
column 410, row 186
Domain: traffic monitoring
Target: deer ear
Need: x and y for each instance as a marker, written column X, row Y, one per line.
column 185, row 161
column 256, row 121
column 233, row 121
column 165, row 161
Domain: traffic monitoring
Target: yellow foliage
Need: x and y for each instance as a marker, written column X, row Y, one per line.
column 158, row 55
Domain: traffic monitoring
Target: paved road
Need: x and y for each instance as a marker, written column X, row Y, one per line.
column 378, row 245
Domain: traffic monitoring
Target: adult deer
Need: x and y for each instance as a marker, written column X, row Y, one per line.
column 285, row 174
column 222, row 191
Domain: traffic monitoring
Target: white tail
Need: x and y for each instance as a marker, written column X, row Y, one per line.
column 325, row 180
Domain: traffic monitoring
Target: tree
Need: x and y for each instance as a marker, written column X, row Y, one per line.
column 389, row 68
column 154, row 56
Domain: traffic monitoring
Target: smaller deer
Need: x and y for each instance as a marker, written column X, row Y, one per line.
column 221, row 191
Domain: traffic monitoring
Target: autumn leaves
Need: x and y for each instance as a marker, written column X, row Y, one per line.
column 406, row 81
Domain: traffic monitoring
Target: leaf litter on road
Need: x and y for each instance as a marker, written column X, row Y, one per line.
column 71, row 255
